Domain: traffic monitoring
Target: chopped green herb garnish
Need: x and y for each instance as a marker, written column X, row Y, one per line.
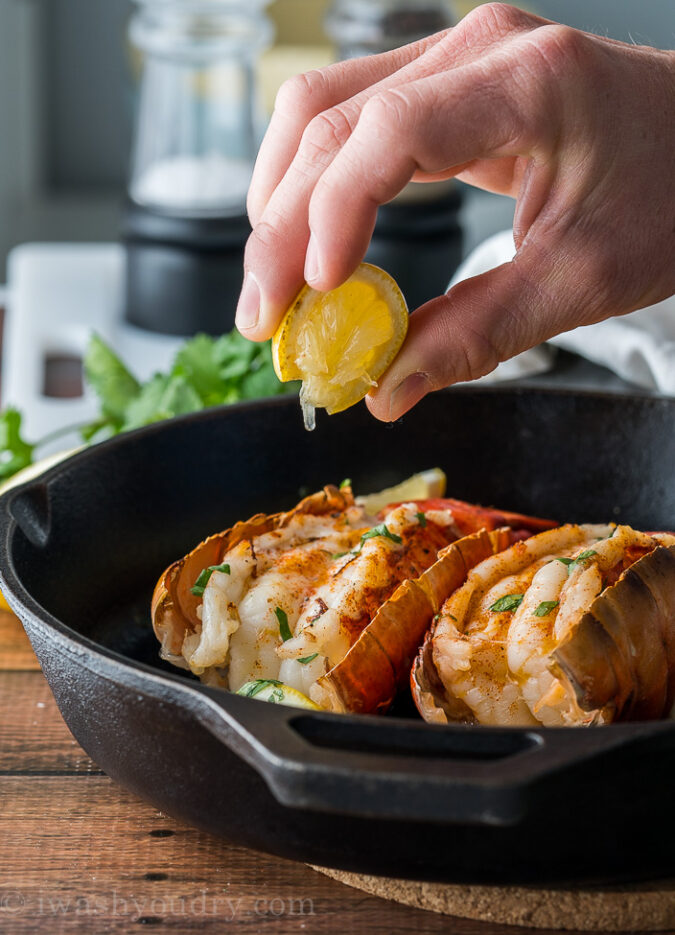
column 452, row 617
column 376, row 531
column 347, row 482
column 422, row 520
column 506, row 603
column 251, row 689
column 205, row 577
column 277, row 696
column 306, row 659
column 545, row 608
column 581, row 559
column 584, row 557
column 339, row 554
column 284, row 628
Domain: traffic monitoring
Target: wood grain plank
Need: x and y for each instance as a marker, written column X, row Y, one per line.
column 15, row 650
column 78, row 852
column 81, row 854
column 35, row 738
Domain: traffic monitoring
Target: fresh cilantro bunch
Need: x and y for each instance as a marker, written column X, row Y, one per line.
column 206, row 372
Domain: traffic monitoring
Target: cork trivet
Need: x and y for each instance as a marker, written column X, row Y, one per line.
column 644, row 907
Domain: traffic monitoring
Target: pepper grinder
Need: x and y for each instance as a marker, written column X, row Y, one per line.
column 198, row 128
column 418, row 237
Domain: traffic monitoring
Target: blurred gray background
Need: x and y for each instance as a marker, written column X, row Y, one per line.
column 67, row 91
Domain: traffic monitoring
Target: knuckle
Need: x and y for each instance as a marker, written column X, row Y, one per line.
column 491, row 21
column 478, row 355
column 384, row 111
column 296, row 94
column 475, row 349
column 325, row 135
column 560, row 48
column 265, row 239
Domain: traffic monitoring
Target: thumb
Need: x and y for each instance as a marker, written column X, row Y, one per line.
column 482, row 321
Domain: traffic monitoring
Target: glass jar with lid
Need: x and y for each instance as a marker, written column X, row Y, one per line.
column 199, row 123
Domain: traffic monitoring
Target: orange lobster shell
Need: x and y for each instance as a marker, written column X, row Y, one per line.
column 379, row 661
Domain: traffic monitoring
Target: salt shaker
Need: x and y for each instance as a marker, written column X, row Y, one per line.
column 198, row 127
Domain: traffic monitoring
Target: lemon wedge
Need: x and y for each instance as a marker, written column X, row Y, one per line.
column 339, row 343
column 278, row 693
column 423, row 486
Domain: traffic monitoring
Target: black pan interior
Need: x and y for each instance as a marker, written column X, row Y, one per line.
column 94, row 539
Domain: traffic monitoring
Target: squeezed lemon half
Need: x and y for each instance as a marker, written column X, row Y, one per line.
column 277, row 693
column 339, row 343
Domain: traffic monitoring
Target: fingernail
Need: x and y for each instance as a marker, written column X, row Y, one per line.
column 407, row 394
column 248, row 309
column 312, row 265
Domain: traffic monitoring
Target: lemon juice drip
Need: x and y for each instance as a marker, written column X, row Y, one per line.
column 308, row 410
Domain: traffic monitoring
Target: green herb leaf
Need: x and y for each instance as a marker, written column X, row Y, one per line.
column 376, row 531
column 204, row 578
column 452, row 617
column 15, row 452
column 277, row 696
column 581, row 559
column 545, row 608
column 284, row 628
column 251, row 689
column 114, row 385
column 584, row 557
column 162, row 397
column 306, row 659
column 507, row 603
column 422, row 520
column 347, row 482
column 199, row 362
column 98, row 430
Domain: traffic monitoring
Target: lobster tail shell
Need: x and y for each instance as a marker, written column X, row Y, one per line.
column 174, row 607
column 621, row 656
column 379, row 662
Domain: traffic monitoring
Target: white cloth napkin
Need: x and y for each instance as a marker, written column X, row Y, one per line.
column 639, row 347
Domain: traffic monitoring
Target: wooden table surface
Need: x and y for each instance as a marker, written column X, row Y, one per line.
column 80, row 854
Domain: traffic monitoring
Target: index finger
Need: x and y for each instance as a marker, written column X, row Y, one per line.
column 304, row 97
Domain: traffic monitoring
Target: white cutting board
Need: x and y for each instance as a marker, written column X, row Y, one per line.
column 57, row 295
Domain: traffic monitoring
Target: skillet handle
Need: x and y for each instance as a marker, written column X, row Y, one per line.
column 372, row 768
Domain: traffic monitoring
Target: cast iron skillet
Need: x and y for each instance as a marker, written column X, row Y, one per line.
column 81, row 550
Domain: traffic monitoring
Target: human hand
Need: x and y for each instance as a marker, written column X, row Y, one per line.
column 579, row 128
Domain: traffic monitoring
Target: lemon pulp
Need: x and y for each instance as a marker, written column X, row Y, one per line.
column 339, row 343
